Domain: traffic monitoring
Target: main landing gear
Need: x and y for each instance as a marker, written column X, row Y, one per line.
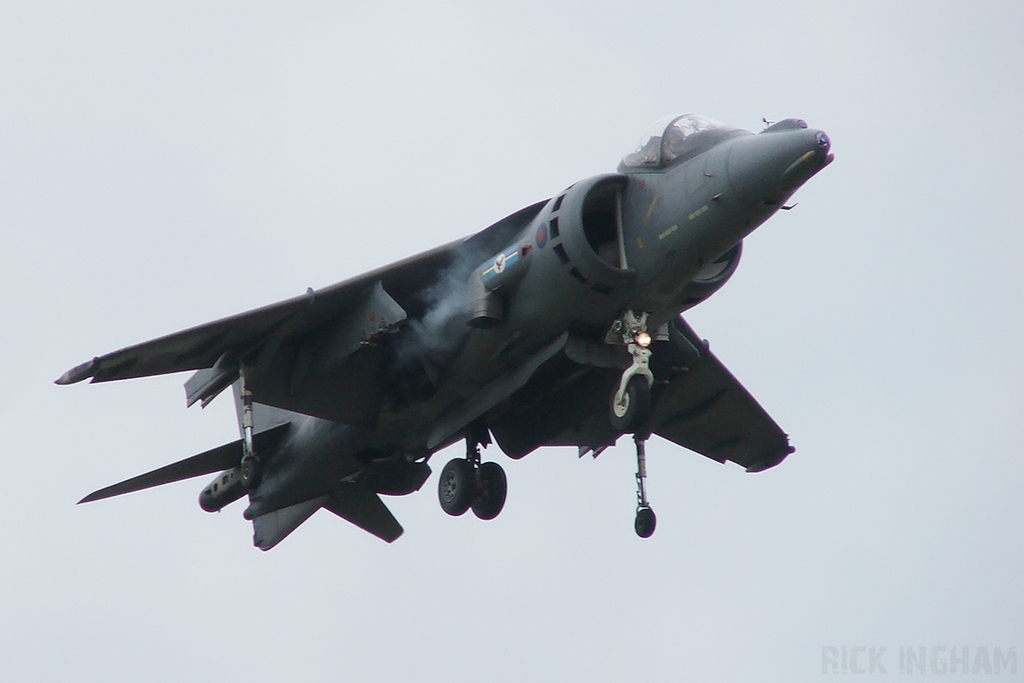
column 467, row 483
column 630, row 408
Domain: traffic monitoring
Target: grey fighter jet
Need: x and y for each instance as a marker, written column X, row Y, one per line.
column 559, row 325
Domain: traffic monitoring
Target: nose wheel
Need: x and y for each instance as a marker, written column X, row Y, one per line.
column 466, row 483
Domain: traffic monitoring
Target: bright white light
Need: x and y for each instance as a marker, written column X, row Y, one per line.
column 643, row 339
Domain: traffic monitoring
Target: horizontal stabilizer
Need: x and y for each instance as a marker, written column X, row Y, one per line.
column 216, row 460
column 366, row 510
column 272, row 528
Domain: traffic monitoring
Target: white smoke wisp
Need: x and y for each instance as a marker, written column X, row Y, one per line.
column 443, row 326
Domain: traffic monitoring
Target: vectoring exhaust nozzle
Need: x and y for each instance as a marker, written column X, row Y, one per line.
column 497, row 273
column 488, row 311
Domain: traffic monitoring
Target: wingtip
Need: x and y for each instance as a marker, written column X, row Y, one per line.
column 102, row 494
column 79, row 372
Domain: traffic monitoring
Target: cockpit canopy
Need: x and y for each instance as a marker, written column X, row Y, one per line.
column 675, row 138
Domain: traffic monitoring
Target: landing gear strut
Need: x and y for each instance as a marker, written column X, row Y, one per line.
column 631, row 403
column 250, row 467
column 645, row 518
column 467, row 483
column 630, row 408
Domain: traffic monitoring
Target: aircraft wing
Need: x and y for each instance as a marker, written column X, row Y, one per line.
column 702, row 408
column 200, row 347
column 706, row 410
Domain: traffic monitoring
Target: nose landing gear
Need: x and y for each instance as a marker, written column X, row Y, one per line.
column 467, row 483
column 630, row 405
column 630, row 408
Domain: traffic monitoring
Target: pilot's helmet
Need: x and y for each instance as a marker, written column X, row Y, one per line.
column 675, row 142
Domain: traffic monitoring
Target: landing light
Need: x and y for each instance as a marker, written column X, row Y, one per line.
column 643, row 339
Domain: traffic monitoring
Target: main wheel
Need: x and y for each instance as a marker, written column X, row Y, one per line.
column 456, row 488
column 630, row 414
column 493, row 487
column 645, row 522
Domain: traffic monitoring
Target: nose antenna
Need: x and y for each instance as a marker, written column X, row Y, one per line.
column 767, row 123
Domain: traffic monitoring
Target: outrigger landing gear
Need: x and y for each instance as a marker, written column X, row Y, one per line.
column 467, row 483
column 250, row 467
column 645, row 518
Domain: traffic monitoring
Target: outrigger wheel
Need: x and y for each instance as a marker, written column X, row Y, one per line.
column 250, row 472
column 250, row 467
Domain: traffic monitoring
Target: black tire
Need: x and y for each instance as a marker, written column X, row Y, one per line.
column 456, row 488
column 632, row 414
column 250, row 473
column 645, row 522
column 493, row 487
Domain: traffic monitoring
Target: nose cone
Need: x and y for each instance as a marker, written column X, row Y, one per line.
column 770, row 166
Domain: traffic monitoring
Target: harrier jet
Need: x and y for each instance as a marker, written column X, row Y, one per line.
column 559, row 325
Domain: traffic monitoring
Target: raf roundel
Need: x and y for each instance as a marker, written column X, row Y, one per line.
column 542, row 235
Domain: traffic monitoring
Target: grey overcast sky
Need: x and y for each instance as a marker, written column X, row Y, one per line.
column 166, row 164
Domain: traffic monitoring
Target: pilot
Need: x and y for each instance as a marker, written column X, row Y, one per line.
column 675, row 143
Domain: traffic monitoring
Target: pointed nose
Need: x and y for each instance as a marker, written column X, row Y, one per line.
column 771, row 165
column 809, row 163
